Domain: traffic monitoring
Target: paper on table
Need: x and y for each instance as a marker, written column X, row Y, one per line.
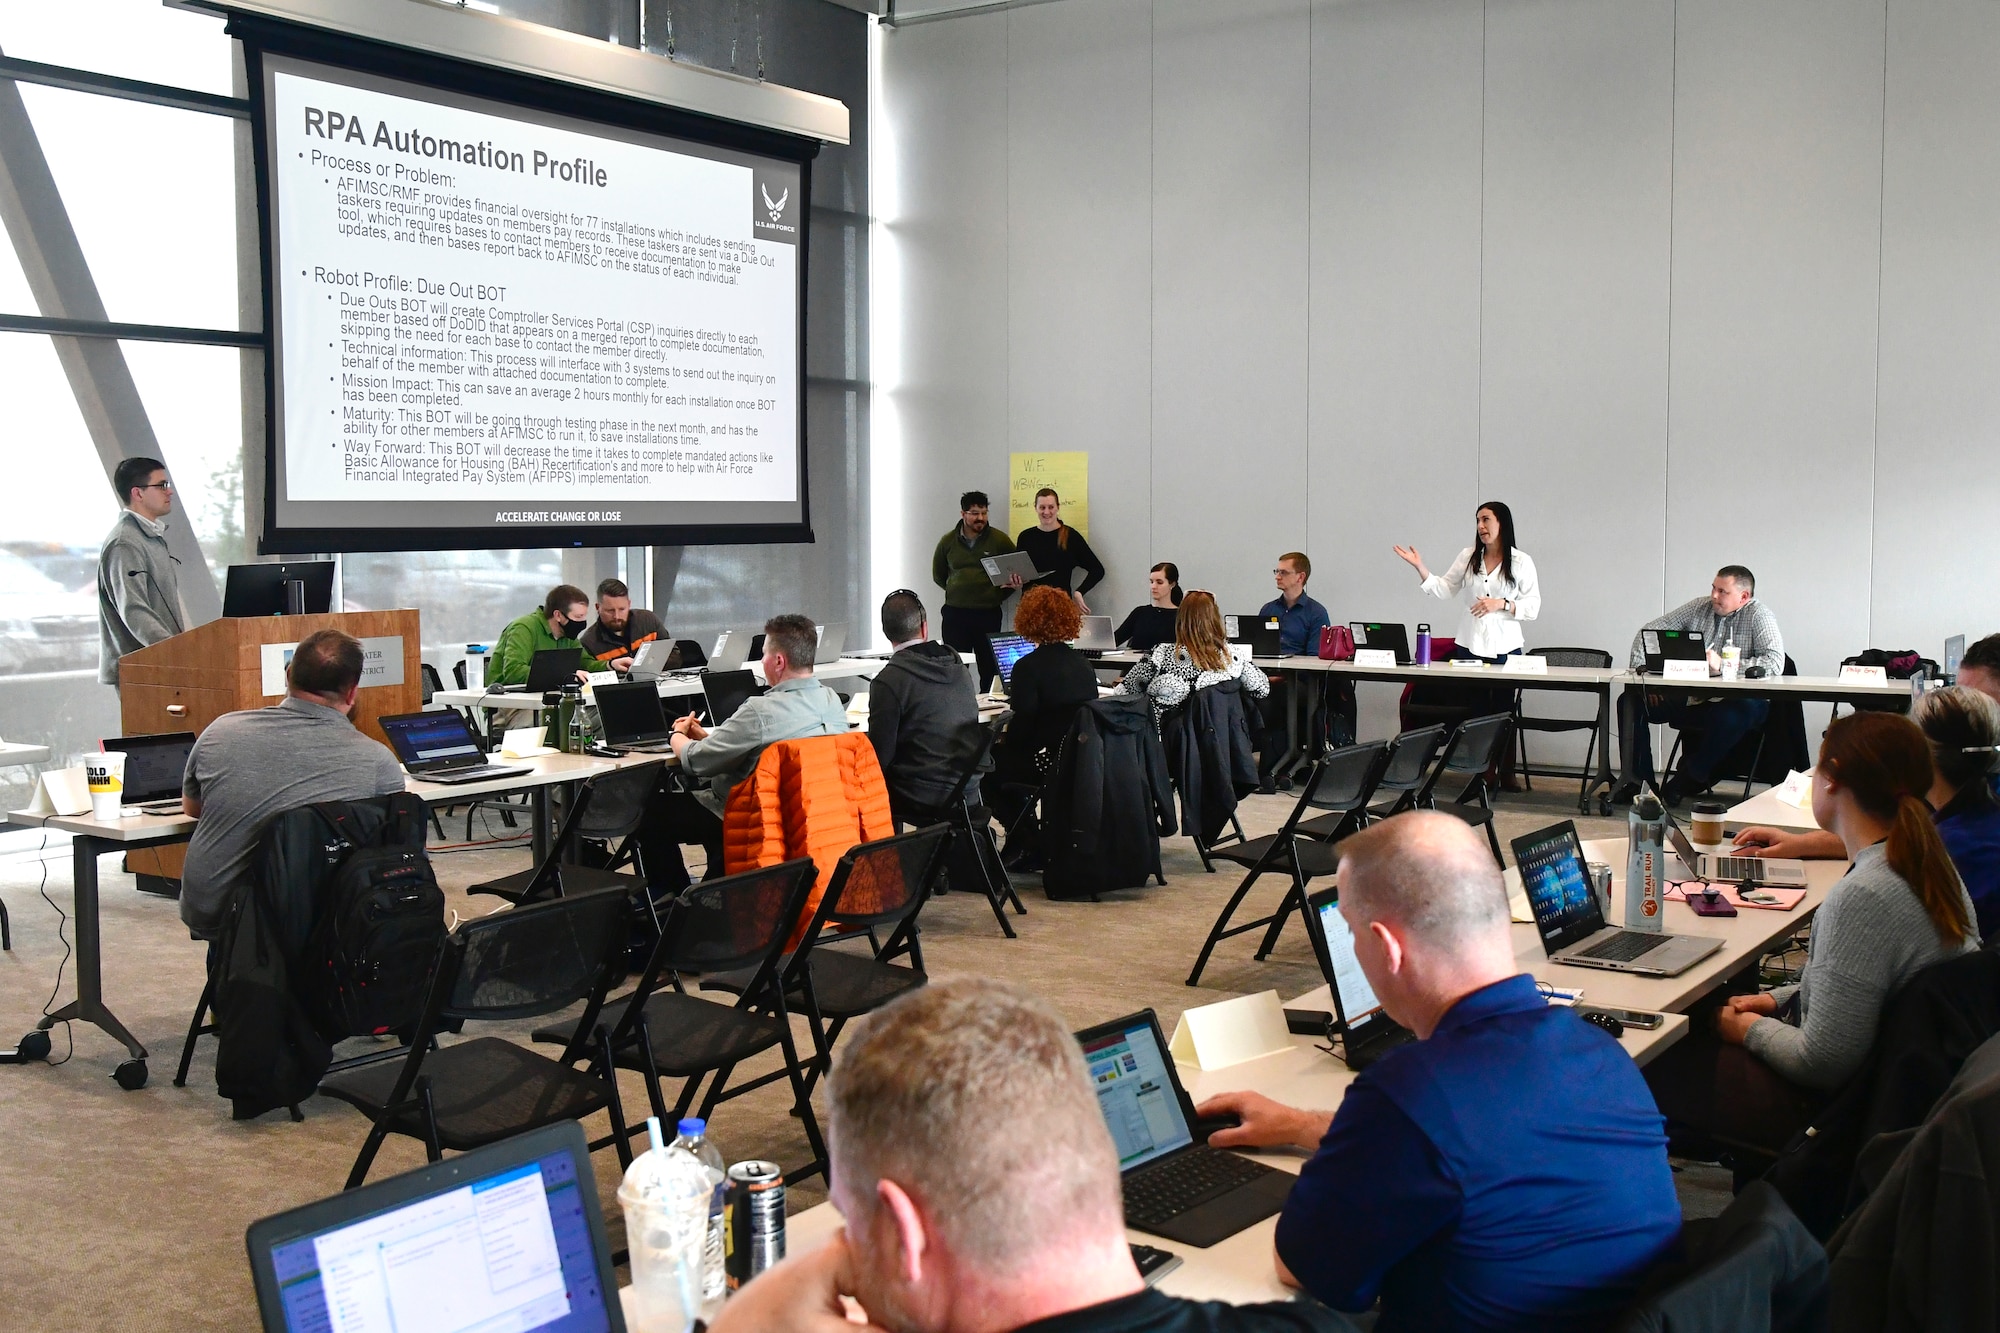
column 1520, row 665
column 1787, row 898
column 524, row 743
column 1229, row 1032
column 1796, row 789
column 64, row 791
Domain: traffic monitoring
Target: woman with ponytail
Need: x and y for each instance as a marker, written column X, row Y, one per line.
column 1773, row 1058
column 1151, row 625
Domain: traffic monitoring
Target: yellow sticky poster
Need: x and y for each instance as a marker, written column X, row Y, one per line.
column 1068, row 474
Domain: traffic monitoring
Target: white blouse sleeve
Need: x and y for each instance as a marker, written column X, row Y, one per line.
column 1527, row 598
column 1448, row 583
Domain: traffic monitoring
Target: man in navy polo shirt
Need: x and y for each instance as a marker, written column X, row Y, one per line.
column 1509, row 1170
column 1300, row 619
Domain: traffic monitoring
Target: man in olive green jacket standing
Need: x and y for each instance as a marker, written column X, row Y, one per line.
column 971, row 600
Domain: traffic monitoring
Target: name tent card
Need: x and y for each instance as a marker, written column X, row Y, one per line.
column 1215, row 1036
column 1676, row 668
column 1374, row 657
column 1519, row 665
column 1864, row 675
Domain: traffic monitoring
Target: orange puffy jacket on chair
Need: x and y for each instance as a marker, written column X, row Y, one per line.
column 815, row 797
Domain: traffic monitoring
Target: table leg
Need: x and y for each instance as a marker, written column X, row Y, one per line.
column 88, row 1006
column 539, row 837
column 1605, row 777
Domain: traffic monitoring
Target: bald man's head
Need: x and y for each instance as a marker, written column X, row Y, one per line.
column 1430, row 877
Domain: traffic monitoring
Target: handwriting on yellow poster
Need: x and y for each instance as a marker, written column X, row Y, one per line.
column 1067, row 474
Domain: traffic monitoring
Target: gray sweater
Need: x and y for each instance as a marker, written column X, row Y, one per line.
column 1751, row 627
column 138, row 592
column 1869, row 937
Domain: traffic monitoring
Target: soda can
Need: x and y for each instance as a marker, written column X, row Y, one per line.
column 753, row 1220
column 1600, row 884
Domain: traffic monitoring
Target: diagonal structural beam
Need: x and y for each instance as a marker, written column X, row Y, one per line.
column 59, row 277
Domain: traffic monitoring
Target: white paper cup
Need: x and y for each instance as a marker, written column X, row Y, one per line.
column 105, row 772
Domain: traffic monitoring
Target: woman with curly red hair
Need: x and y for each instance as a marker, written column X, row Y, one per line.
column 1048, row 685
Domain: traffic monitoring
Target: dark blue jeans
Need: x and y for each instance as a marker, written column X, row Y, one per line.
column 1719, row 724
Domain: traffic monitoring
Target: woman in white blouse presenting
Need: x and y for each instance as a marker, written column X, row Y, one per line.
column 1498, row 583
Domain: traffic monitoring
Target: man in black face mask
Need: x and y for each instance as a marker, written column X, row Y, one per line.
column 557, row 623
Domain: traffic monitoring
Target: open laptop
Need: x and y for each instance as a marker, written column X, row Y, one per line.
column 653, row 660
column 727, row 691
column 1265, row 634
column 1096, row 636
column 1724, row 868
column 259, row 590
column 1175, row 1184
column 549, row 669
column 1570, row 923
column 1007, row 650
column 508, row 1236
column 732, row 650
column 1368, row 1033
column 1954, row 649
column 1376, row 634
column 832, row 642
column 154, row 768
column 1682, row 645
column 437, row 746
column 633, row 717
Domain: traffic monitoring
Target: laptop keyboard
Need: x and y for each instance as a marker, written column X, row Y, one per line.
column 1163, row 1192
column 1735, row 867
column 1625, row 946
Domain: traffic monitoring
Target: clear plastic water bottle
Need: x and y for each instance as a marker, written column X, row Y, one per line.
column 694, row 1139
column 665, row 1197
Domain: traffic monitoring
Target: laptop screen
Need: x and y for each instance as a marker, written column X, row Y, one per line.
column 1352, row 992
column 154, row 765
column 1557, row 883
column 1007, row 650
column 728, row 691
column 513, row 1250
column 1136, row 1092
column 631, row 712
column 437, row 737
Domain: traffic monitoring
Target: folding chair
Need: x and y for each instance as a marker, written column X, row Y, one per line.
column 558, row 876
column 737, row 924
column 1411, row 755
column 969, row 819
column 1342, row 782
column 1177, row 729
column 518, row 964
column 1523, row 723
column 1470, row 752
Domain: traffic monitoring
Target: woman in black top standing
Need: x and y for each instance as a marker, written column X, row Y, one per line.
column 1151, row 625
column 1059, row 550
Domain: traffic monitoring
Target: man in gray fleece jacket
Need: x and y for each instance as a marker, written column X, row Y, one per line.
column 138, row 579
column 1730, row 614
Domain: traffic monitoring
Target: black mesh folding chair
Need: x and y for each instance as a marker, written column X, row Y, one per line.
column 973, row 823
column 1411, row 756
column 519, row 964
column 1525, row 723
column 1341, row 783
column 1470, row 752
column 624, row 794
column 878, row 886
column 738, row 923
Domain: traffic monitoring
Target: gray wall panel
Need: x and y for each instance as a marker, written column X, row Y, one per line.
column 1079, row 104
column 945, row 100
column 1777, row 223
column 1394, row 321
column 1573, row 402
column 1230, row 127
column 1935, row 480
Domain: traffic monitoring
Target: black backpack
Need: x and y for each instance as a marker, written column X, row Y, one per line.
column 378, row 928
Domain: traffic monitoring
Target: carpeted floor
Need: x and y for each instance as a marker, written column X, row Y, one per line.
column 126, row 1210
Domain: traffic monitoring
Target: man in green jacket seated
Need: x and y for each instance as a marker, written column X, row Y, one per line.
column 557, row 623
column 971, row 600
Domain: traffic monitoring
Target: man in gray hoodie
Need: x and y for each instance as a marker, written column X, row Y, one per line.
column 138, row 580
column 921, row 708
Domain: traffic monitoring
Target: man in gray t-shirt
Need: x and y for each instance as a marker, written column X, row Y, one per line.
column 252, row 766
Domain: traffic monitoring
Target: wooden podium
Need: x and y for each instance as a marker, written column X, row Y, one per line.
column 186, row 682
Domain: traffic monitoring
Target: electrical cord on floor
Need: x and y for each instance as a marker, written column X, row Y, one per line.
column 62, row 933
